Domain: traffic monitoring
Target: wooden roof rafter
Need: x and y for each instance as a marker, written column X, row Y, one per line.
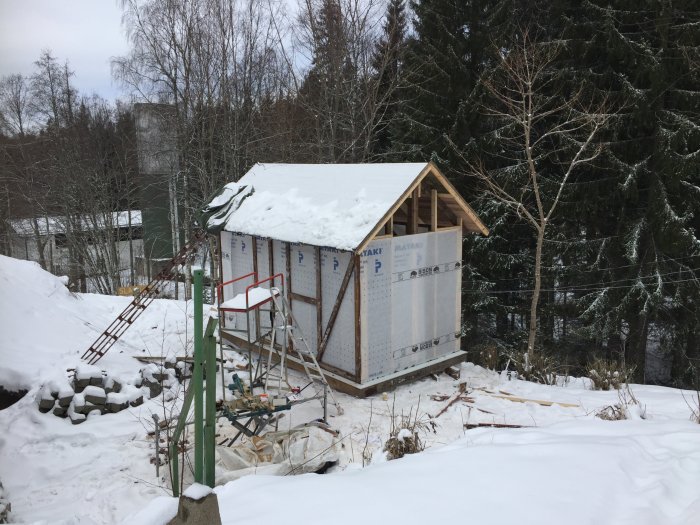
column 452, row 201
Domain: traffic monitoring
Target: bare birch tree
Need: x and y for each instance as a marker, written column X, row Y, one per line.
column 543, row 132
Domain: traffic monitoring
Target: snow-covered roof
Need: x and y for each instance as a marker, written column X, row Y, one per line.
column 334, row 205
column 58, row 223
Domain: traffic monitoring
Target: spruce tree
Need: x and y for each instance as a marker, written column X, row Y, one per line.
column 648, row 252
column 388, row 64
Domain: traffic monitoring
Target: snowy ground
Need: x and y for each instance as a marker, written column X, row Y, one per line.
column 566, row 466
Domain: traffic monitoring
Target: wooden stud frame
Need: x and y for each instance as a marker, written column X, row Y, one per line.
column 336, row 308
column 358, row 319
column 419, row 191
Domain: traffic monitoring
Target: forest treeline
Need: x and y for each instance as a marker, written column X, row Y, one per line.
column 572, row 128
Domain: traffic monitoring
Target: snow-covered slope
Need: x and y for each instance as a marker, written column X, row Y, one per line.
column 577, row 472
column 52, row 471
column 567, row 467
column 45, row 328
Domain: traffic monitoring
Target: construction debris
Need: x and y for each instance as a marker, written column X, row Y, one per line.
column 538, row 401
column 459, row 396
column 469, row 426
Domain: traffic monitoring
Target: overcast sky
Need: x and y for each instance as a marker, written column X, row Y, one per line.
column 87, row 33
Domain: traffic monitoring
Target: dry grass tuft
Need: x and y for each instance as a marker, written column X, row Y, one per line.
column 628, row 407
column 405, row 434
column 609, row 375
column 539, row 368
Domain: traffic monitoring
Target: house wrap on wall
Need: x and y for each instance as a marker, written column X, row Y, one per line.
column 371, row 260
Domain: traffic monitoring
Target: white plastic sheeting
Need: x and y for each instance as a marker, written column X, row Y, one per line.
column 278, row 453
column 410, row 301
column 410, row 297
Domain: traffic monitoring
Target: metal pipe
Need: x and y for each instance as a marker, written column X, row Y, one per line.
column 210, row 404
column 198, row 379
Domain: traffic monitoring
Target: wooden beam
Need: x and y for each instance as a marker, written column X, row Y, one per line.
column 257, row 278
column 336, row 309
column 221, row 267
column 433, row 211
column 270, row 257
column 288, row 256
column 481, row 227
column 413, row 213
column 319, row 304
column 288, row 263
column 358, row 324
column 303, row 298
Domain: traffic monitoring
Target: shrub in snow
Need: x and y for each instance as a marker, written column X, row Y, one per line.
column 538, row 368
column 608, row 375
column 404, row 435
column 628, row 407
column 694, row 405
column 486, row 355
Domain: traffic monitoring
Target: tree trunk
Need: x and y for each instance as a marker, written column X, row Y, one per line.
column 535, row 297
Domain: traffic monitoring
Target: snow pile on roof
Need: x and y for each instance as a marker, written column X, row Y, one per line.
column 334, row 205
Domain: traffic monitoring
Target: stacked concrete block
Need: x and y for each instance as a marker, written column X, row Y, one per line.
column 75, row 417
column 116, row 402
column 94, row 392
column 86, row 375
column 95, row 395
column 65, row 396
column 156, row 377
column 183, row 370
column 112, row 385
column 45, row 400
column 5, row 507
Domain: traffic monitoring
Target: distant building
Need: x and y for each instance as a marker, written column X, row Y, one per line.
column 97, row 253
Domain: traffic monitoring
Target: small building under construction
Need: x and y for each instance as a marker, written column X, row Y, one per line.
column 368, row 257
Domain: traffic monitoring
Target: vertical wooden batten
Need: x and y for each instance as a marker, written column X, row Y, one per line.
column 358, row 324
column 336, row 308
column 257, row 278
column 288, row 257
column 413, row 213
column 270, row 257
column 319, row 305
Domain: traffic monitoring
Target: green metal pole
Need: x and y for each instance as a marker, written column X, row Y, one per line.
column 210, row 404
column 175, row 439
column 198, row 379
column 175, row 469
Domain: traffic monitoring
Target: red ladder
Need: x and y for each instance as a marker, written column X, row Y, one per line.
column 145, row 297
